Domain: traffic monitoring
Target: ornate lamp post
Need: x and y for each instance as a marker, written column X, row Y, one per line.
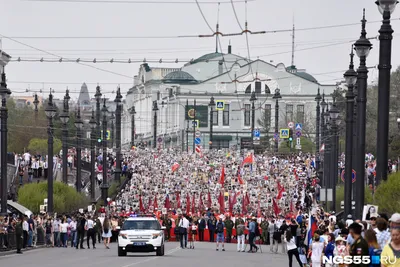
column 211, row 105
column 334, row 114
column 93, row 125
column 112, row 135
column 36, row 104
column 50, row 113
column 318, row 99
column 351, row 78
column 253, row 115
column 155, row 109
column 79, row 126
column 64, row 117
column 277, row 96
column 362, row 48
column 323, row 140
column 386, row 7
column 104, row 185
column 4, row 93
column 98, row 115
column 133, row 112
column 118, row 114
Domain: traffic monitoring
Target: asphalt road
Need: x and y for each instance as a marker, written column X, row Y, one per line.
column 204, row 253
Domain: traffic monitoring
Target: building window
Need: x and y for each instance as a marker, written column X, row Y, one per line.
column 267, row 115
column 215, row 117
column 289, row 113
column 247, row 115
column 248, row 89
column 158, row 95
column 258, row 87
column 300, row 113
column 225, row 115
column 219, row 144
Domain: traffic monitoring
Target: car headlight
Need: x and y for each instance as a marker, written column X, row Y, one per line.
column 124, row 236
column 156, row 235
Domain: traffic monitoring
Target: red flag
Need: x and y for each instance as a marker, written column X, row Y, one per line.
column 221, row 202
column 244, row 205
column 193, row 204
column 201, row 202
column 235, row 199
column 276, row 208
column 280, row 193
column 222, row 177
column 167, row 204
column 209, row 200
column 266, row 178
column 141, row 208
column 240, row 180
column 175, row 167
column 155, row 204
column 178, row 200
column 248, row 160
column 291, row 206
column 230, row 203
column 247, row 199
column 187, row 203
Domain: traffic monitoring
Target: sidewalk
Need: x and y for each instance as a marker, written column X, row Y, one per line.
column 14, row 251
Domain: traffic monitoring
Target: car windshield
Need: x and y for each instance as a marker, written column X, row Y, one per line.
column 141, row 225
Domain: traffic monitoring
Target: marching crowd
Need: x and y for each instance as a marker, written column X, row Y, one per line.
column 227, row 196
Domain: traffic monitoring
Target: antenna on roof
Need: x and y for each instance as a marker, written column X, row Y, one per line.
column 217, row 32
column 293, row 41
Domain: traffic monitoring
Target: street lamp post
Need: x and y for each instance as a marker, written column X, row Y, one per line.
column 362, row 47
column 4, row 93
column 318, row 99
column 327, row 154
column 112, row 136
column 277, row 96
column 386, row 7
column 118, row 115
column 212, row 105
column 36, row 104
column 351, row 79
column 50, row 113
column 253, row 115
column 133, row 126
column 334, row 114
column 187, row 126
column 64, row 117
column 79, row 126
column 93, row 125
column 323, row 140
column 98, row 116
column 104, row 184
column 155, row 109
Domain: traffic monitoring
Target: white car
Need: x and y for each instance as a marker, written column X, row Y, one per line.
column 141, row 233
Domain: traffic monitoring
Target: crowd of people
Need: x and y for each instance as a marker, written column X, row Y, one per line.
column 230, row 196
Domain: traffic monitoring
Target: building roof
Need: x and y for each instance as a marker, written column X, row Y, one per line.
column 302, row 74
column 4, row 53
column 206, row 57
column 180, row 77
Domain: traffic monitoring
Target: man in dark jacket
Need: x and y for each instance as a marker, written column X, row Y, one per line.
column 80, row 231
column 202, row 226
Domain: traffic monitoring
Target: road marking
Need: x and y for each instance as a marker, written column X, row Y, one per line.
column 150, row 259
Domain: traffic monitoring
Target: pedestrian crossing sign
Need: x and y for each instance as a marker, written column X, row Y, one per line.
column 108, row 134
column 196, row 123
column 284, row 133
column 220, row 105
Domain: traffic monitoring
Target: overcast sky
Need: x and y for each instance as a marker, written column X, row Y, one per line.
column 69, row 19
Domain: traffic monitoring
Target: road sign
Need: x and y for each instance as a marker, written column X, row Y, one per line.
column 298, row 141
column 298, row 147
column 198, row 134
column 353, row 176
column 284, row 133
column 299, row 127
column 298, row 134
column 290, row 124
column 197, row 141
column 196, row 123
column 256, row 133
column 108, row 134
column 276, row 136
column 220, row 105
column 159, row 139
column 198, row 149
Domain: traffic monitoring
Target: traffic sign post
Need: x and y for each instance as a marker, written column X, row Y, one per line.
column 196, row 123
column 290, row 124
column 298, row 134
column 159, row 139
column 276, row 136
column 284, row 133
column 256, row 133
column 220, row 105
column 298, row 141
column 198, row 134
column 197, row 140
column 299, row 127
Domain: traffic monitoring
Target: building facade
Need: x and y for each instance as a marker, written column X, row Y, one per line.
column 230, row 79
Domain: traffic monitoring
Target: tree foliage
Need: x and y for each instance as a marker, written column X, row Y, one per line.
column 307, row 146
column 66, row 199
column 387, row 194
column 40, row 146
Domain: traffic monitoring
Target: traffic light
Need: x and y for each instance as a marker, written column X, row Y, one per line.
column 290, row 135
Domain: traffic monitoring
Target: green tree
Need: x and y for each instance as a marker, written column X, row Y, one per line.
column 307, row 146
column 66, row 199
column 387, row 194
column 40, row 146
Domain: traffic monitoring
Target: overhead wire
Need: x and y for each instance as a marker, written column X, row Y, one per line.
column 135, row 2
column 52, row 54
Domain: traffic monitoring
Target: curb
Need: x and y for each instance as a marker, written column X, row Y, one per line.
column 14, row 251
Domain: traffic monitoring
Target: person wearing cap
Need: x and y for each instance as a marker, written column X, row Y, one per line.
column 340, row 248
column 395, row 220
column 349, row 220
column 372, row 220
column 360, row 246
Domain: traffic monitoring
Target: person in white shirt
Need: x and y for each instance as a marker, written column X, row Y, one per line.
column 72, row 226
column 64, row 233
column 291, row 247
column 25, row 228
column 89, row 227
column 349, row 220
column 183, row 230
